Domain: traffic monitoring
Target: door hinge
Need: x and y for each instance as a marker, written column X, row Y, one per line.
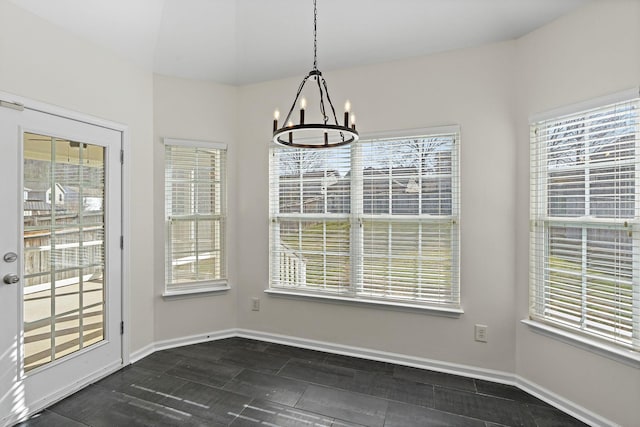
column 12, row 105
column 121, row 242
column 121, row 156
column 121, row 328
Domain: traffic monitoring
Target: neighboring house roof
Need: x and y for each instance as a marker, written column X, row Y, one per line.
column 36, row 205
column 73, row 190
column 36, row 196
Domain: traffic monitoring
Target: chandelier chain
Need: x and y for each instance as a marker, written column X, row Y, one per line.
column 315, row 36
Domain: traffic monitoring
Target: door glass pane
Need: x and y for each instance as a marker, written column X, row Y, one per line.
column 64, row 228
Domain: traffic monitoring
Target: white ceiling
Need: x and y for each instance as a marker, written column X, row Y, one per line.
column 246, row 41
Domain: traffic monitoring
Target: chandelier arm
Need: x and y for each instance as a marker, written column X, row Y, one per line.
column 325, row 119
column 333, row 110
column 293, row 106
column 335, row 117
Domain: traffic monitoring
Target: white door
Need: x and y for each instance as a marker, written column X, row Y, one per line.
column 60, row 258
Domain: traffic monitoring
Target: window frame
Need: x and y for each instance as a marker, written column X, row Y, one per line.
column 541, row 221
column 206, row 285
column 355, row 218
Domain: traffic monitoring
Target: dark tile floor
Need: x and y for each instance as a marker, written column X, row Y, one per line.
column 241, row 382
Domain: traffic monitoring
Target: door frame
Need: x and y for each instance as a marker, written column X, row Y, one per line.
column 125, row 215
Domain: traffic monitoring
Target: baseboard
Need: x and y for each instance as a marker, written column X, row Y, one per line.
column 63, row 392
column 382, row 356
column 565, row 405
column 182, row 341
column 142, row 353
column 501, row 377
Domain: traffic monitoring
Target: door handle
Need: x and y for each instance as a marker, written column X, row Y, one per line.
column 10, row 279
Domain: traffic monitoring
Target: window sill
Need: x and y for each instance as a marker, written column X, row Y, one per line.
column 612, row 352
column 194, row 292
column 391, row 305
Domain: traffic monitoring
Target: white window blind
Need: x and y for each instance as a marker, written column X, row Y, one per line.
column 409, row 219
column 377, row 220
column 585, row 211
column 310, row 220
column 195, row 215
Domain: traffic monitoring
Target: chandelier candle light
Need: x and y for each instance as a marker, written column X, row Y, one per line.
column 315, row 135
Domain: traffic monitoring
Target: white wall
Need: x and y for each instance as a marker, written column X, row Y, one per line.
column 42, row 62
column 472, row 88
column 590, row 53
column 188, row 109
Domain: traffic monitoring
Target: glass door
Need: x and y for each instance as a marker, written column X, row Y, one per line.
column 60, row 258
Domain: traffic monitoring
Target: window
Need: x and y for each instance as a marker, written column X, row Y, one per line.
column 374, row 221
column 195, row 216
column 585, row 246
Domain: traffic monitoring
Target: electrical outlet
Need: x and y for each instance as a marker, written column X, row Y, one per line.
column 255, row 304
column 481, row 333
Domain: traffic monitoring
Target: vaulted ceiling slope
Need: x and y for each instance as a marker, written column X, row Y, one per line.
column 245, row 41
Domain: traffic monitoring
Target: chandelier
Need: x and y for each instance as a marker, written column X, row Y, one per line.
column 329, row 133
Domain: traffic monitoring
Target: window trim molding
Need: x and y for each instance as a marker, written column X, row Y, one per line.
column 208, row 286
column 205, row 289
column 194, row 143
column 601, row 101
column 583, row 342
column 354, row 297
column 575, row 337
column 409, row 133
column 374, row 303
